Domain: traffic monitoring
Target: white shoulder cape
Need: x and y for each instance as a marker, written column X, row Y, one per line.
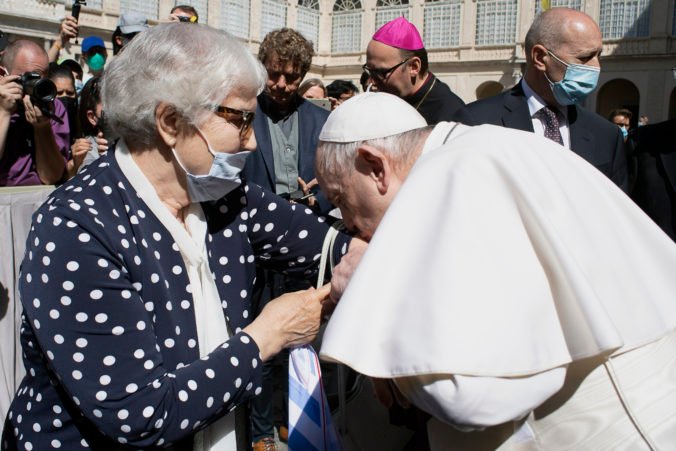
column 503, row 254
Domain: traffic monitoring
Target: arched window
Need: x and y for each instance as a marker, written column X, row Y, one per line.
column 148, row 8
column 235, row 17
column 442, row 23
column 308, row 20
column 496, row 22
column 346, row 27
column 625, row 18
column 387, row 10
column 200, row 5
column 273, row 16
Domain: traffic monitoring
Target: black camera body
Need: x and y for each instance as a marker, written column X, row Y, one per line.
column 41, row 91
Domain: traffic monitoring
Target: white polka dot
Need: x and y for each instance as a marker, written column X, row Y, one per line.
column 83, row 237
column 45, row 278
column 114, row 274
column 184, row 424
column 50, row 246
column 118, row 330
column 36, row 303
column 108, row 190
column 65, row 300
column 258, row 391
column 77, row 375
column 192, row 385
column 210, row 402
column 109, row 360
column 249, row 386
column 192, row 343
column 227, row 233
column 157, row 236
column 254, row 363
column 54, row 314
column 81, row 317
column 126, row 294
column 28, row 446
column 104, row 380
column 78, row 357
column 101, row 395
column 245, row 339
column 269, row 226
column 154, row 278
column 148, row 364
column 36, row 427
column 141, row 325
column 169, row 342
column 272, row 206
column 139, row 354
column 57, row 221
column 238, row 382
column 302, row 234
column 102, row 263
column 68, row 285
column 81, row 342
column 96, row 294
column 101, row 318
column 226, row 397
column 72, row 266
column 46, row 260
column 57, row 409
column 97, row 413
column 58, row 338
column 177, row 270
column 183, row 396
column 234, row 361
column 226, row 279
column 210, row 373
column 242, row 294
column 131, row 388
column 148, row 411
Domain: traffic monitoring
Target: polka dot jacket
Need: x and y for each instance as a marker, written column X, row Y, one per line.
column 108, row 329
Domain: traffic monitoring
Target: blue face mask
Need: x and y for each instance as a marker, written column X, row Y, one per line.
column 577, row 83
column 624, row 131
column 78, row 86
column 222, row 178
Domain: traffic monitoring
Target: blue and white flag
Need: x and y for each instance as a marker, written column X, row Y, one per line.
column 310, row 425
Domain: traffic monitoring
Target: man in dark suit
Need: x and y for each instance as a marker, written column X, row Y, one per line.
column 562, row 65
column 287, row 129
column 654, row 190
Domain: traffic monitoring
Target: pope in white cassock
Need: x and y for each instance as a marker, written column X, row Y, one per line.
column 509, row 288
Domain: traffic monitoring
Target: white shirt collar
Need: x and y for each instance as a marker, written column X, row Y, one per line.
column 535, row 102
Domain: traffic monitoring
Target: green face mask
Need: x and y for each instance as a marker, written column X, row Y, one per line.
column 96, row 62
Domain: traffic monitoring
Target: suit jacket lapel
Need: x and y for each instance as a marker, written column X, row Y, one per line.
column 581, row 136
column 264, row 142
column 516, row 113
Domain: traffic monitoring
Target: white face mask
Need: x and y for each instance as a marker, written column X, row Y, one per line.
column 222, row 178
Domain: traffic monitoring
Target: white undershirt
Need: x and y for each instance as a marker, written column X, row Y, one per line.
column 212, row 329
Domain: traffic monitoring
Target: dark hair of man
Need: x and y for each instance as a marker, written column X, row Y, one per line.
column 116, row 47
column 57, row 71
column 72, row 66
column 421, row 54
column 186, row 8
column 310, row 83
column 339, row 87
column 289, row 46
column 620, row 112
column 90, row 96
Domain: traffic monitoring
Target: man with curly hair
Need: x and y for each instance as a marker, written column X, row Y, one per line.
column 287, row 132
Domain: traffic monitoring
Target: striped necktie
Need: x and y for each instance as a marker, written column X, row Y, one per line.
column 551, row 123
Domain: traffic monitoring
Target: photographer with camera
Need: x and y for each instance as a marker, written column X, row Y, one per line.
column 183, row 13
column 34, row 131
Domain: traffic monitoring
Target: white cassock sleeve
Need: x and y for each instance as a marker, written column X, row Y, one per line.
column 467, row 402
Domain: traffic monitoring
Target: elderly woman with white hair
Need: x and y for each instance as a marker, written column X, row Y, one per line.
column 137, row 328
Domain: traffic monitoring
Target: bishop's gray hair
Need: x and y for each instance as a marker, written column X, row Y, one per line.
column 338, row 159
column 190, row 67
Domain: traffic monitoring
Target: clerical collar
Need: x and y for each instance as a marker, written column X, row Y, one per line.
column 417, row 98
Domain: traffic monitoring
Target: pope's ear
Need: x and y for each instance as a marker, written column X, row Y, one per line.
column 376, row 164
column 167, row 123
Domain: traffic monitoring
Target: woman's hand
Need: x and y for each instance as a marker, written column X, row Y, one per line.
column 78, row 151
column 101, row 143
column 290, row 320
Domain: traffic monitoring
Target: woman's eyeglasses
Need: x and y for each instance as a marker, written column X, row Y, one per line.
column 381, row 74
column 239, row 118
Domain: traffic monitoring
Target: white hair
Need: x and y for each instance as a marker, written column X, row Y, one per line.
column 190, row 67
column 338, row 159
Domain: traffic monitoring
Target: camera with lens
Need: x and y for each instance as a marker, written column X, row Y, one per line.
column 41, row 91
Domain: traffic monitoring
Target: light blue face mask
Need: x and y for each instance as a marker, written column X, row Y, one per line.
column 577, row 83
column 96, row 62
column 78, row 86
column 624, row 131
column 222, row 178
